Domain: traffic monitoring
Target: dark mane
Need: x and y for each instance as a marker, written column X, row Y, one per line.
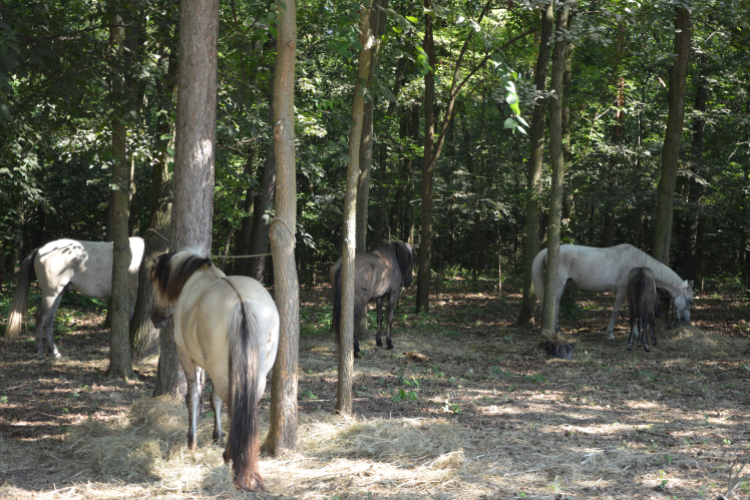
column 171, row 276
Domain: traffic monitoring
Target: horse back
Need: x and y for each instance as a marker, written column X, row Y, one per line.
column 203, row 324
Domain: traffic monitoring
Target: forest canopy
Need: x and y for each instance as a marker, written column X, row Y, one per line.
column 59, row 93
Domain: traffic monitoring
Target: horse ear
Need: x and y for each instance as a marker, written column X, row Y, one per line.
column 690, row 284
column 151, row 267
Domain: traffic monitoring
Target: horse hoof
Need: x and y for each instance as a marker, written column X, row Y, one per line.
column 378, row 343
column 390, row 347
column 611, row 339
column 630, row 348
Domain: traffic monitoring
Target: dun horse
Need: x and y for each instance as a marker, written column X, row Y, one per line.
column 606, row 270
column 378, row 274
column 230, row 327
column 644, row 305
column 62, row 265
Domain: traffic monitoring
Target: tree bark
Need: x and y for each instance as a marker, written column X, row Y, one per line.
column 119, row 351
column 377, row 25
column 144, row 337
column 428, row 166
column 534, row 176
column 192, row 210
column 695, row 189
column 346, row 341
column 282, row 434
column 672, row 136
column 558, row 172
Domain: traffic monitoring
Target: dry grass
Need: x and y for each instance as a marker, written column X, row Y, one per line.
column 610, row 424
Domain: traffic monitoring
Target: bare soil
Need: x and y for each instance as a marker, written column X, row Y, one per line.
column 610, row 424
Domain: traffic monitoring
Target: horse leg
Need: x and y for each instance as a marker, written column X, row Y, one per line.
column 216, row 404
column 644, row 332
column 192, row 398
column 633, row 331
column 392, row 299
column 653, row 331
column 558, row 296
column 50, row 323
column 379, row 302
column 619, row 300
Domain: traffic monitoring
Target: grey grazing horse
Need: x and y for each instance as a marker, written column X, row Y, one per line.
column 606, row 270
column 62, row 265
column 644, row 305
column 378, row 274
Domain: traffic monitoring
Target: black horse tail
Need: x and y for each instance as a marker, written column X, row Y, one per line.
column 20, row 303
column 243, row 378
column 337, row 302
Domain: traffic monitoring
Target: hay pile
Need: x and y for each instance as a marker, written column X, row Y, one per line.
column 691, row 342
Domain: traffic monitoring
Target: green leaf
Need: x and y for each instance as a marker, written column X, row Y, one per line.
column 274, row 31
column 510, row 123
column 412, row 19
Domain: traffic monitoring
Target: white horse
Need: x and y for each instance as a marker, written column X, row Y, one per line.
column 606, row 270
column 62, row 265
column 230, row 327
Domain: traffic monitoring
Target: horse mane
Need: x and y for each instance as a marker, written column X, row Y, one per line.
column 662, row 272
column 172, row 270
column 404, row 255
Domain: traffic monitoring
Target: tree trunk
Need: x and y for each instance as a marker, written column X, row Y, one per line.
column 243, row 239
column 558, row 173
column 346, row 335
column 282, row 434
column 695, row 190
column 192, row 211
column 377, row 25
column 534, row 178
column 428, row 166
column 119, row 351
column 672, row 136
column 144, row 338
column 258, row 244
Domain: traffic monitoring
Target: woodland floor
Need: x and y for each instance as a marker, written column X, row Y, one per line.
column 465, row 406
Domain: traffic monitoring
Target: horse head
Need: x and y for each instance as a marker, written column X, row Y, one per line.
column 168, row 274
column 683, row 301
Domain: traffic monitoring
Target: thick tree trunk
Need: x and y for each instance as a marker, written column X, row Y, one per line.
column 346, row 336
column 672, row 136
column 534, row 176
column 282, row 434
column 192, row 211
column 119, row 351
column 558, row 173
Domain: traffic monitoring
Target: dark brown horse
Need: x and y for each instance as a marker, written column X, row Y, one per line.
column 378, row 274
column 644, row 305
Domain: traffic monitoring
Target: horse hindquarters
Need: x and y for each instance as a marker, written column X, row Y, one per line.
column 243, row 446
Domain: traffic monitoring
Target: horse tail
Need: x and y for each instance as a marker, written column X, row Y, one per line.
column 537, row 274
column 337, row 302
column 244, row 333
column 20, row 302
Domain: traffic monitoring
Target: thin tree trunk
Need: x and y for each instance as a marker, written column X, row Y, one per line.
column 534, row 178
column 256, row 267
column 346, row 336
column 120, row 364
column 144, row 338
column 672, row 136
column 695, row 189
column 243, row 239
column 282, row 434
column 377, row 25
column 192, row 213
column 428, row 166
column 558, row 172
